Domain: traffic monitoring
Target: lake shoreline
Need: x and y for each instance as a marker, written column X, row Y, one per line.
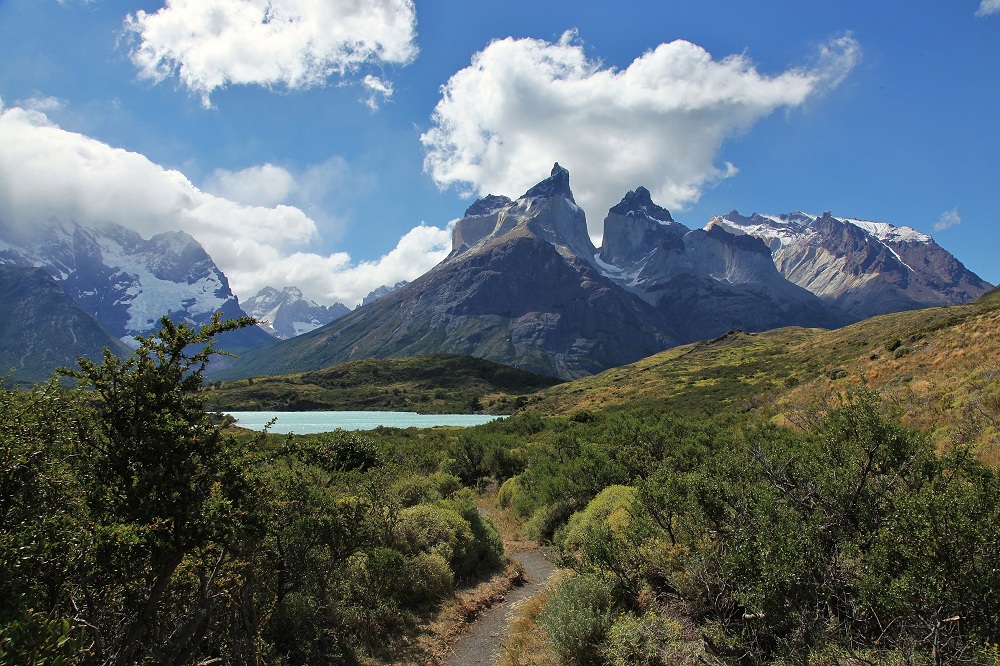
column 319, row 421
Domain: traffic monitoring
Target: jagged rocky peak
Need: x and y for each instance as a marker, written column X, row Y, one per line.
column 639, row 203
column 547, row 211
column 557, row 184
column 383, row 290
column 636, row 226
column 488, row 205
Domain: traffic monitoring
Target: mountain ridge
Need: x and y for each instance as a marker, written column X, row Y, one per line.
column 863, row 267
column 525, row 286
column 287, row 313
column 520, row 287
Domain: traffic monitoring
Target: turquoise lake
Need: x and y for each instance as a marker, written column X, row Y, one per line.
column 310, row 423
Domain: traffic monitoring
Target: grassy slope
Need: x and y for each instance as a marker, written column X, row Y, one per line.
column 939, row 367
column 431, row 384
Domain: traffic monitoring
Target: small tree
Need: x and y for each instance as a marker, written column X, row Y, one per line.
column 162, row 487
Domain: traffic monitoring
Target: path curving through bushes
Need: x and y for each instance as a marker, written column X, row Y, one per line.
column 479, row 645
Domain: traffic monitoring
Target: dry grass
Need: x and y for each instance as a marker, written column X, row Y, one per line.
column 525, row 644
column 938, row 369
column 946, row 383
column 436, row 633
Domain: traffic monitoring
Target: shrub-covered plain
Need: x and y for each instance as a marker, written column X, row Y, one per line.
column 135, row 529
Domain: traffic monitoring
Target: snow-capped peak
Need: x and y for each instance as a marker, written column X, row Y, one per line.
column 289, row 313
column 887, row 232
column 786, row 228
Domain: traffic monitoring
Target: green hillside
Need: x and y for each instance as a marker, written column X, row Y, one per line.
column 937, row 366
column 431, row 384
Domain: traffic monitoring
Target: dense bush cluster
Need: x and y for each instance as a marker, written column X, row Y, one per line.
column 853, row 543
column 133, row 531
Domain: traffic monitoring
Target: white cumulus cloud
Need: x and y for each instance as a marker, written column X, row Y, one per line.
column 335, row 278
column 988, row 7
column 948, row 219
column 289, row 43
column 47, row 173
column 524, row 104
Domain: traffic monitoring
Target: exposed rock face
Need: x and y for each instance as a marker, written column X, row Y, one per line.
column 864, row 268
column 704, row 282
column 519, row 288
column 636, row 227
column 128, row 282
column 547, row 211
column 384, row 290
column 287, row 313
column 42, row 328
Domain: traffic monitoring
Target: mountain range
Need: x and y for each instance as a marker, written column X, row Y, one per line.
column 864, row 268
column 113, row 279
column 287, row 313
column 525, row 286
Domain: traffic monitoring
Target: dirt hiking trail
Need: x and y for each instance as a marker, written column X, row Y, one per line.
column 480, row 644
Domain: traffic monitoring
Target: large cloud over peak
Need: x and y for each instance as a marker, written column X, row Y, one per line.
column 290, row 43
column 525, row 103
column 48, row 173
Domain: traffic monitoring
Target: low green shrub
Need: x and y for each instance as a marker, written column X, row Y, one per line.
column 650, row 640
column 427, row 528
column 577, row 618
column 419, row 489
column 507, row 492
column 484, row 554
column 429, row 579
column 608, row 511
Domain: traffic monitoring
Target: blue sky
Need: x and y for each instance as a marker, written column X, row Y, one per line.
column 328, row 145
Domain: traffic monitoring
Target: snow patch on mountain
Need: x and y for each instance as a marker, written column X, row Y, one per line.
column 792, row 227
column 149, row 297
column 126, row 281
column 288, row 313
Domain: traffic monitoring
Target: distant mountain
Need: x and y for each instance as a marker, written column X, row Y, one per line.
column 384, row 290
column 43, row 328
column 128, row 282
column 287, row 313
column 520, row 288
column 705, row 282
column 864, row 268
